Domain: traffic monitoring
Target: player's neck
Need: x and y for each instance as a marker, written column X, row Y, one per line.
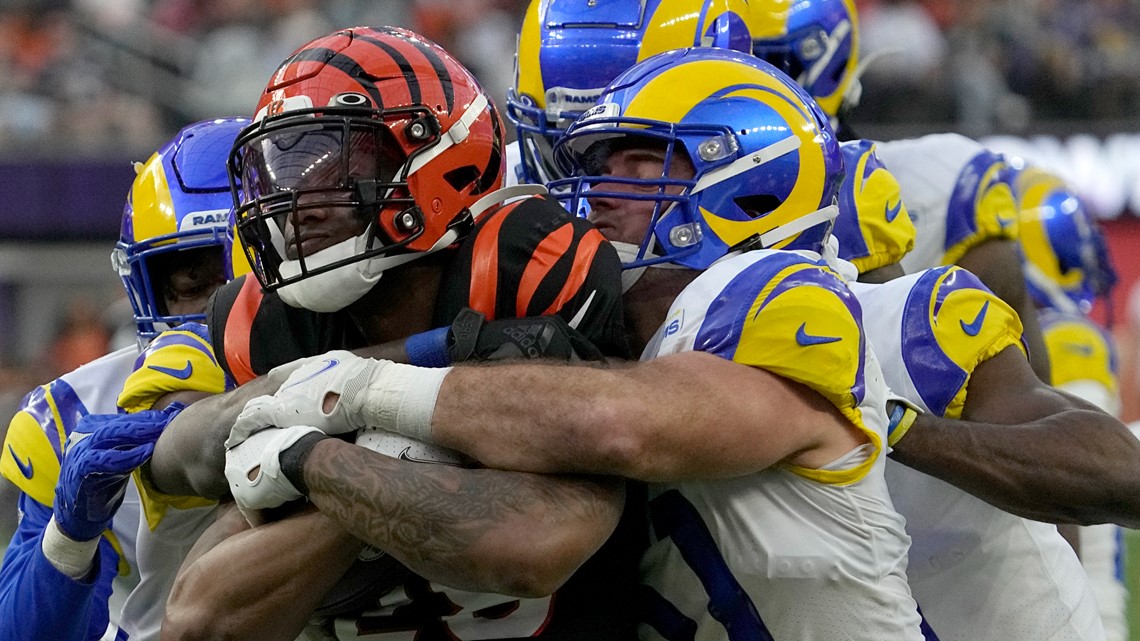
column 401, row 304
column 648, row 301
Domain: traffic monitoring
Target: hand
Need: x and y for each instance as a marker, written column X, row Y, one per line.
column 309, row 394
column 103, row 451
column 254, row 472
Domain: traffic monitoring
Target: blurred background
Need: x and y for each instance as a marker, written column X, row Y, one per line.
column 87, row 86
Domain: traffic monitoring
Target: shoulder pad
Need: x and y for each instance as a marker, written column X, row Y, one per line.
column 177, row 360
column 795, row 318
column 950, row 324
column 34, row 444
column 981, row 206
column 1079, row 350
column 873, row 226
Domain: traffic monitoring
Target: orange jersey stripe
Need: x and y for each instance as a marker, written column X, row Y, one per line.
column 583, row 258
column 485, row 265
column 239, row 324
column 543, row 259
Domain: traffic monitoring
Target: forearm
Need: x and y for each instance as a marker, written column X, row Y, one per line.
column 261, row 583
column 473, row 529
column 648, row 422
column 1093, row 464
column 189, row 457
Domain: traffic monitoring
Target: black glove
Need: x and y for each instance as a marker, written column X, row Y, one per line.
column 474, row 338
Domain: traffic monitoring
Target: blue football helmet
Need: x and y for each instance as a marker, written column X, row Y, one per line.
column 569, row 50
column 1067, row 265
column 818, row 46
column 767, row 166
column 180, row 200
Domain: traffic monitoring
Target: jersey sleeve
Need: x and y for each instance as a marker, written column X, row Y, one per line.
column 950, row 324
column 532, row 258
column 252, row 332
column 981, row 206
column 797, row 319
column 1081, row 353
column 873, row 226
column 37, row 601
column 177, row 360
column 33, row 446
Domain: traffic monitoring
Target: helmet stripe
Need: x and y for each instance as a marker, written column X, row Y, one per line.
column 406, row 68
column 437, row 64
column 346, row 64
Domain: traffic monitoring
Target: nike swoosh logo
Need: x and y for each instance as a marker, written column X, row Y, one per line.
column 25, row 468
column 893, row 212
column 974, row 327
column 805, row 339
column 329, row 364
column 1083, row 350
column 180, row 374
column 1005, row 221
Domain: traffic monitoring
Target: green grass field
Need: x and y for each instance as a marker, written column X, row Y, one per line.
column 1132, row 576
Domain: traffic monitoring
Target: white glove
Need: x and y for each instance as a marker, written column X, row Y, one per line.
column 268, row 487
column 303, row 386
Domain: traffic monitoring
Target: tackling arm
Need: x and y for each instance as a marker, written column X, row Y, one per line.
column 1030, row 449
column 648, row 421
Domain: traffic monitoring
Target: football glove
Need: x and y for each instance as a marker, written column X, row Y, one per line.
column 103, row 451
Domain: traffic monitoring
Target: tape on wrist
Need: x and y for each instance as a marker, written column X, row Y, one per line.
column 428, row 349
column 73, row 558
column 901, row 420
column 401, row 398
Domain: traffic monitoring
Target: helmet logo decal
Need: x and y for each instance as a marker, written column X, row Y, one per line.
column 206, row 218
column 560, row 100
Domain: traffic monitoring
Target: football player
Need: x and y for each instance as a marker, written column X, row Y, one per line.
column 369, row 203
column 673, row 190
column 956, row 191
column 1067, row 267
column 568, row 52
column 77, row 553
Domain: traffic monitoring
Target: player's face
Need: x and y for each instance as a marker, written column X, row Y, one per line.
column 313, row 227
column 189, row 278
column 625, row 220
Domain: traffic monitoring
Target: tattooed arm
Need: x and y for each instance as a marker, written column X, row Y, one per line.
column 473, row 529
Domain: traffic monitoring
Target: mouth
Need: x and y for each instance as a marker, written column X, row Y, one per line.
column 309, row 244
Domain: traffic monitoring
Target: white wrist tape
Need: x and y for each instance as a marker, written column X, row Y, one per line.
column 73, row 558
column 398, row 398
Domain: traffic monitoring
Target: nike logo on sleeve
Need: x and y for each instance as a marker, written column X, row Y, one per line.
column 25, row 468
column 181, row 374
column 974, row 327
column 805, row 339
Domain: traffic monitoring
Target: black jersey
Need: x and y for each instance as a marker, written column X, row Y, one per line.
column 527, row 258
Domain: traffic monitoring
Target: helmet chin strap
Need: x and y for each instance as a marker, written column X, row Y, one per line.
column 338, row 288
column 627, row 253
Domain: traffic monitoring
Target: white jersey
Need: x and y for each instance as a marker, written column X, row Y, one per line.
column 978, row 573
column 1083, row 363
column 789, row 552
column 37, row 436
column 956, row 192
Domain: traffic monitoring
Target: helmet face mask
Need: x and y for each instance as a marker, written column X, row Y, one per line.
column 178, row 209
column 766, row 165
column 301, row 168
column 368, row 149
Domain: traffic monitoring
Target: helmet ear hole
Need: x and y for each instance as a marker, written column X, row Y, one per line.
column 758, row 205
column 462, row 177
